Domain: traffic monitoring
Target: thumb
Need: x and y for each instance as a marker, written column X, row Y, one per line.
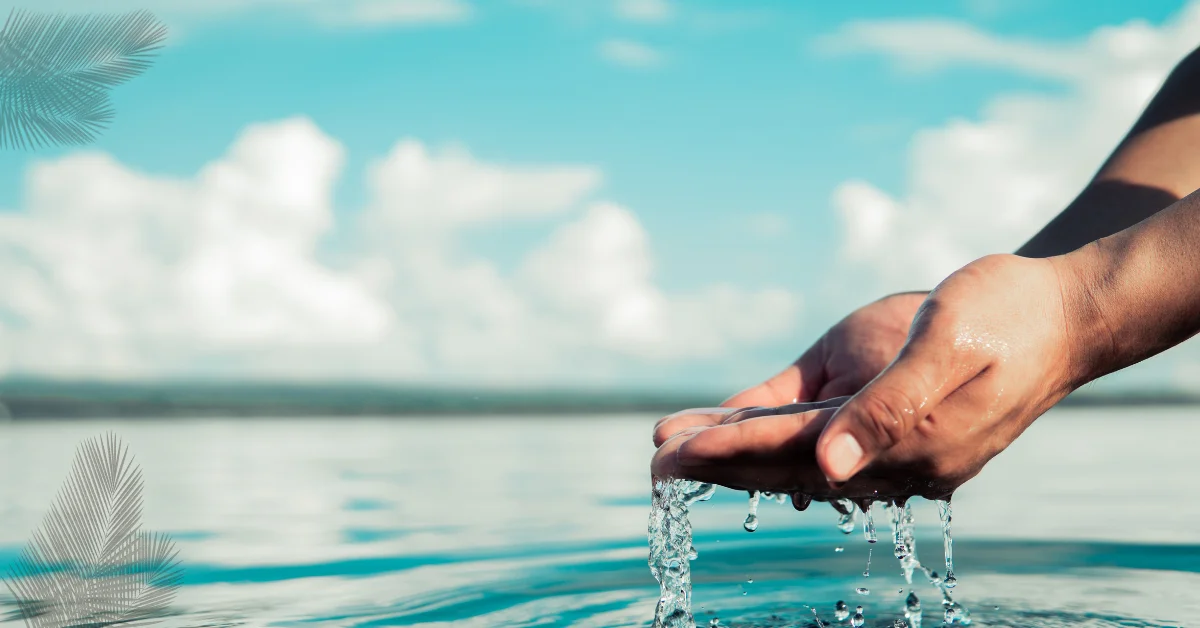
column 889, row 408
column 798, row 383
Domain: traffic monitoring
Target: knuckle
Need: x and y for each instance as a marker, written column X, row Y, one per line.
column 886, row 416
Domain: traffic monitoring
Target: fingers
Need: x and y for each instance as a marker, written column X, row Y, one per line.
column 889, row 408
column 673, row 424
column 762, row 453
column 665, row 463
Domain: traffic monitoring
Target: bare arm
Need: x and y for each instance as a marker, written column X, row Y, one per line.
column 1156, row 164
column 1141, row 289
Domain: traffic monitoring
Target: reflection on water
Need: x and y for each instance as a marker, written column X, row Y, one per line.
column 495, row 522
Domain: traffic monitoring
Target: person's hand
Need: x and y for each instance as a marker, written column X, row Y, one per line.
column 991, row 349
column 840, row 363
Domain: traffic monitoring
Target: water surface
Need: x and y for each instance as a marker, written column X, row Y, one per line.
column 1087, row 521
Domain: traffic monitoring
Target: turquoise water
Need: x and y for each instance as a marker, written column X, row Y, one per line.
column 1087, row 521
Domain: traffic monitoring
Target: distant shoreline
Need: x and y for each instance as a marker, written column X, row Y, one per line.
column 46, row 400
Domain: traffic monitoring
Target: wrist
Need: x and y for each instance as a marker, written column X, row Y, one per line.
column 1084, row 278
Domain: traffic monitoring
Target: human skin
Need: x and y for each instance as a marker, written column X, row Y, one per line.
column 1155, row 165
column 992, row 348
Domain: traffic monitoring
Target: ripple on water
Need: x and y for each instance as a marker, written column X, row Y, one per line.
column 1035, row 585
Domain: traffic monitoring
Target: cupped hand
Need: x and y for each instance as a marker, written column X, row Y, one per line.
column 990, row 350
column 840, row 363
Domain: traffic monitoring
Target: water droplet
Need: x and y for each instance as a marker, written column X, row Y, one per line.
column 867, row 571
column 750, row 581
column 869, row 524
column 947, row 541
column 715, row 623
column 692, row 553
column 841, row 612
column 839, row 549
column 863, row 591
column 903, row 527
column 899, row 623
column 751, row 523
column 781, row 498
column 846, row 518
column 858, row 620
column 912, row 610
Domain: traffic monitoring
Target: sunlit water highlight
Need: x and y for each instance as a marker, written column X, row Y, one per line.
column 542, row 522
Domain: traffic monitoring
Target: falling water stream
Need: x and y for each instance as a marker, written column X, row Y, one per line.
column 671, row 552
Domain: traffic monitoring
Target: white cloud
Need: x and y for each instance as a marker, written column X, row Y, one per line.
column 378, row 12
column 982, row 186
column 111, row 271
column 644, row 10
column 116, row 273
column 410, row 181
column 630, row 53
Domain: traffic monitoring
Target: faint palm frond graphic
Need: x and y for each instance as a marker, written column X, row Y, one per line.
column 56, row 72
column 90, row 563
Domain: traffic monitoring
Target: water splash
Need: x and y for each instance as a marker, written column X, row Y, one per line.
column 869, row 523
column 947, row 541
column 841, row 612
column 670, row 533
column 816, row 616
column 671, row 551
column 846, row 519
column 897, row 515
column 904, row 530
column 751, row 523
column 912, row 610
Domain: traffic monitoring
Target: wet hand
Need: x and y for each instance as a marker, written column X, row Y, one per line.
column 990, row 350
column 840, row 363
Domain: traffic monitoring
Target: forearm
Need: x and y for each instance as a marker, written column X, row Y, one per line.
column 1136, row 293
column 1156, row 164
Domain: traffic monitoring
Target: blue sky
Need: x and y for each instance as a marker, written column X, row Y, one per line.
column 726, row 131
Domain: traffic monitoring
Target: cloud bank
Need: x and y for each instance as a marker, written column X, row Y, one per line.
column 111, row 272
column 984, row 186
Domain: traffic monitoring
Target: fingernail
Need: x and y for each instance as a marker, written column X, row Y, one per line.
column 843, row 453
